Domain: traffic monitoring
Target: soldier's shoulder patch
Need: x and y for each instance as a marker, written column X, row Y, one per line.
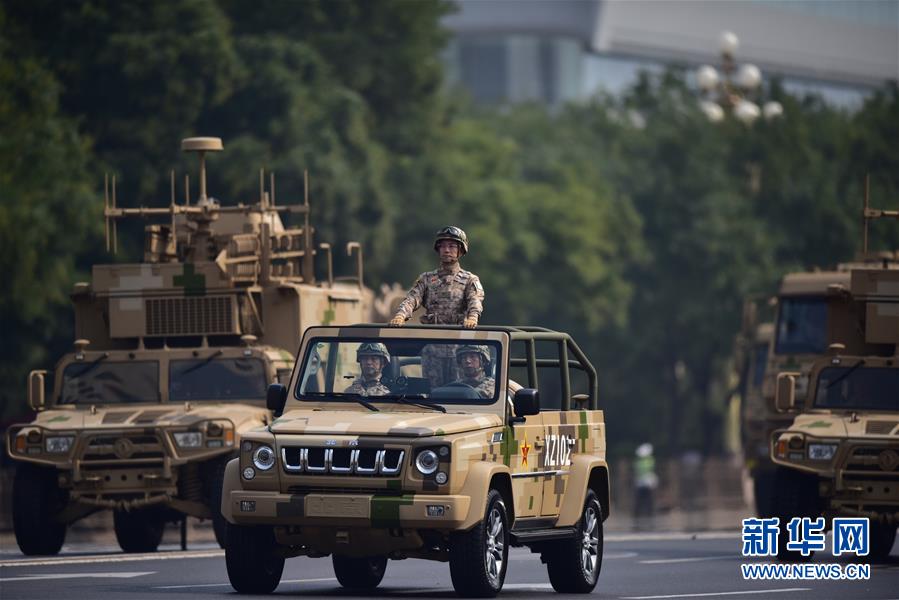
column 463, row 276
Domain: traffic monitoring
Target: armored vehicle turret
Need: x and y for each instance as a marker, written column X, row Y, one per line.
column 171, row 364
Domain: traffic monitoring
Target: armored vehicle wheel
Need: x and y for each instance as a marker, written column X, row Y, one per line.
column 253, row 566
column 359, row 573
column 795, row 495
column 763, row 490
column 478, row 557
column 139, row 530
column 882, row 537
column 36, row 498
column 214, row 477
column 574, row 564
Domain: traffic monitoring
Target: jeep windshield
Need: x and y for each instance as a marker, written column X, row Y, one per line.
column 221, row 379
column 107, row 382
column 420, row 372
column 855, row 387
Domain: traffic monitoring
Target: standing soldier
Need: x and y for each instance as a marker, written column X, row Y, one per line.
column 473, row 361
column 450, row 296
column 372, row 359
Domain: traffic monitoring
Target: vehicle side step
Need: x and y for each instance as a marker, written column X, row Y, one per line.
column 518, row 538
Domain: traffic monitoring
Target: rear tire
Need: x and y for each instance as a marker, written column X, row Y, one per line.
column 479, row 557
column 574, row 564
column 795, row 495
column 359, row 573
column 36, row 500
column 882, row 537
column 251, row 559
column 138, row 530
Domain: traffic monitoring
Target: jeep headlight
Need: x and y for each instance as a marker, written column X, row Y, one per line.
column 426, row 462
column 264, row 458
column 58, row 444
column 821, row 451
column 188, row 439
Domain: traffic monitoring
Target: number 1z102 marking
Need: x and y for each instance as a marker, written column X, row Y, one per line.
column 558, row 450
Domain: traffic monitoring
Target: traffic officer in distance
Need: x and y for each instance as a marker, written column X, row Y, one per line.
column 450, row 296
column 473, row 361
column 372, row 358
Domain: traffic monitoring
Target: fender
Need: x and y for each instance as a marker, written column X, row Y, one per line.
column 583, row 467
column 476, row 486
column 230, row 482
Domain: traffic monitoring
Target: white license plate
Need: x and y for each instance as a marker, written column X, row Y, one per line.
column 338, row 506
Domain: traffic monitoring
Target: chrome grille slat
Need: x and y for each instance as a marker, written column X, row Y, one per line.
column 343, row 461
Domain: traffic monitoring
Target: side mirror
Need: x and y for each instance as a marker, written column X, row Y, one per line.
column 276, row 398
column 36, row 390
column 785, row 392
column 527, row 402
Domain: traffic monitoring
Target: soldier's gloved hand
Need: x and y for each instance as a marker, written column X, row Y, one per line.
column 397, row 321
column 469, row 323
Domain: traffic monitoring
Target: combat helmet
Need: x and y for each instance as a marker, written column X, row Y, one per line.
column 373, row 349
column 455, row 234
column 482, row 350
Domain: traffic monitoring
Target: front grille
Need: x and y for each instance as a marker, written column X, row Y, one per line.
column 343, row 461
column 123, row 447
column 869, row 459
column 190, row 316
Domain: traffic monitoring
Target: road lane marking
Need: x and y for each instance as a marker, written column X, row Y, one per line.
column 111, row 558
column 710, row 594
column 605, row 556
column 673, row 536
column 664, row 561
column 208, row 585
column 119, row 575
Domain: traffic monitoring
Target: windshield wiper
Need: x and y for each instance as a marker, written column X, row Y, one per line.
column 846, row 374
column 90, row 366
column 404, row 399
column 357, row 397
column 202, row 364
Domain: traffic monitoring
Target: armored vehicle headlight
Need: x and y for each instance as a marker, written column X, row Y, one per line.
column 189, row 439
column 264, row 458
column 821, row 451
column 426, row 462
column 59, row 444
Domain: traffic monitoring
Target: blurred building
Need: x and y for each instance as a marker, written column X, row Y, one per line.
column 552, row 51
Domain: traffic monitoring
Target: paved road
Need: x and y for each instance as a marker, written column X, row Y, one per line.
column 636, row 567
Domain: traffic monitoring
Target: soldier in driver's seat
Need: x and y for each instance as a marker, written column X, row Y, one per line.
column 372, row 358
column 473, row 362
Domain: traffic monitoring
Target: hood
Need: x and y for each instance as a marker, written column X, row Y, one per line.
column 842, row 425
column 158, row 415
column 398, row 423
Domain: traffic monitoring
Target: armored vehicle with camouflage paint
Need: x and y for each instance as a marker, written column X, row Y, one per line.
column 839, row 455
column 452, row 473
column 171, row 365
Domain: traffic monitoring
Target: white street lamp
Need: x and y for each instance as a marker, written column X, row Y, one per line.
column 772, row 110
column 749, row 77
column 747, row 111
column 729, row 42
column 707, row 78
column 712, row 110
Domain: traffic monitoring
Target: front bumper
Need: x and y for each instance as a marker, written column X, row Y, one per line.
column 417, row 511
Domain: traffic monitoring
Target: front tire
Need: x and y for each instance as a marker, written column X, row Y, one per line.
column 139, row 530
column 359, row 573
column 479, row 557
column 36, row 499
column 795, row 495
column 215, row 477
column 574, row 564
column 251, row 559
column 882, row 537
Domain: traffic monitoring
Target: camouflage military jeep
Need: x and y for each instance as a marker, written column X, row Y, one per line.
column 146, row 433
column 451, row 472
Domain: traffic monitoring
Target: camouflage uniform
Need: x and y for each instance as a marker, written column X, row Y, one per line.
column 484, row 385
column 372, row 387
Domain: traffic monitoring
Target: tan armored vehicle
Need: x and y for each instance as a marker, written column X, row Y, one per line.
column 456, row 470
column 839, row 456
column 171, row 366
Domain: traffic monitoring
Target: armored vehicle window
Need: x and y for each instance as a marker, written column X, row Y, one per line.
column 219, row 379
column 445, row 371
column 852, row 387
column 110, row 382
column 802, row 326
